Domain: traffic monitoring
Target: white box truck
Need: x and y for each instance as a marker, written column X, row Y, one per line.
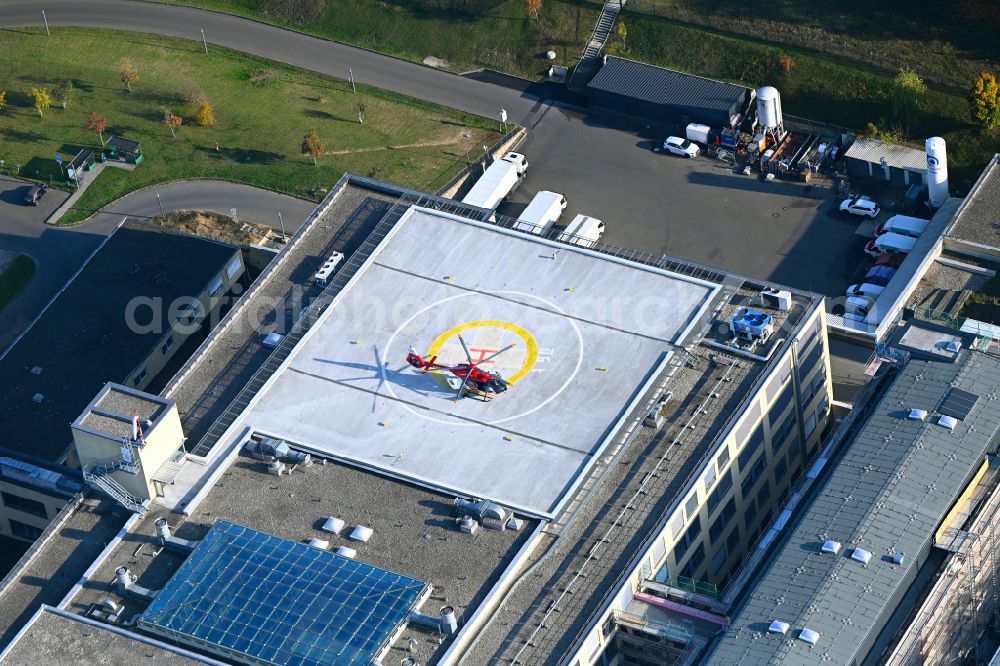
column 584, row 231
column 497, row 181
column 543, row 212
column 902, row 224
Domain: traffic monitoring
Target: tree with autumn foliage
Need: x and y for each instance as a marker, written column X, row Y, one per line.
column 129, row 73
column 206, row 113
column 97, row 123
column 533, row 7
column 3, row 99
column 172, row 121
column 42, row 99
column 985, row 100
column 312, row 145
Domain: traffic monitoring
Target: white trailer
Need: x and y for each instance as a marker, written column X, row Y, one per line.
column 584, row 231
column 543, row 212
column 497, row 182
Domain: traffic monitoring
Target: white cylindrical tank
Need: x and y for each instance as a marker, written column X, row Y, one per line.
column 769, row 107
column 937, row 171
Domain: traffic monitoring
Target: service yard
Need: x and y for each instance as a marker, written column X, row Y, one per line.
column 695, row 209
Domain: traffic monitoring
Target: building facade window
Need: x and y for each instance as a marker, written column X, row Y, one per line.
column 694, row 563
column 764, row 494
column 733, row 541
column 677, row 525
column 750, row 513
column 692, row 505
column 140, row 376
column 720, row 524
column 719, row 559
column 690, row 536
column 233, row 267
column 710, row 476
column 753, row 476
column 719, row 494
column 723, row 457
column 215, row 287
column 167, row 344
column 810, row 425
column 753, row 445
column 23, row 504
column 24, row 531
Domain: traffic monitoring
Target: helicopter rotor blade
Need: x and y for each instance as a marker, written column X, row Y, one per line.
column 467, row 354
column 461, row 389
column 495, row 354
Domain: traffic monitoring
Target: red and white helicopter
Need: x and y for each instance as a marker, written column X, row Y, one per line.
column 475, row 382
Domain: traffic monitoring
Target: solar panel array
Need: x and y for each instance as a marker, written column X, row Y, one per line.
column 959, row 403
column 265, row 600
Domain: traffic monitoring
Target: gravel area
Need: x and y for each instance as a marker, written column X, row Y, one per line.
column 978, row 222
column 945, row 278
column 55, row 640
column 59, row 564
column 119, row 402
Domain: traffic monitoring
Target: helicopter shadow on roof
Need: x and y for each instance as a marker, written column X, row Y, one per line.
column 404, row 377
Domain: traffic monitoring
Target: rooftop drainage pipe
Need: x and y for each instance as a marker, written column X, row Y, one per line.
column 126, row 585
column 170, row 541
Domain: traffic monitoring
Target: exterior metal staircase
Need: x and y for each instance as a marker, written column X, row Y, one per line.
column 99, row 476
column 591, row 58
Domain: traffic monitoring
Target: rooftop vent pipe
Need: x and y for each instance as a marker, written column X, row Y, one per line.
column 126, row 585
column 170, row 541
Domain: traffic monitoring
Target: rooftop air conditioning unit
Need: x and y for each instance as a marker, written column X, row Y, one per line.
column 780, row 299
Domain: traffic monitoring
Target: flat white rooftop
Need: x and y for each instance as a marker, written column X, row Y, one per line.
column 589, row 332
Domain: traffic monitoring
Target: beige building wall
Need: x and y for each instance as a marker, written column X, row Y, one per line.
column 26, row 511
column 735, row 494
column 211, row 300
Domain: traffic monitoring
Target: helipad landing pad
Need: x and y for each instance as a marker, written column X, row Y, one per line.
column 587, row 334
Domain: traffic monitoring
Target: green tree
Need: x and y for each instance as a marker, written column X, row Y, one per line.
column 985, row 100
column 42, row 99
column 64, row 93
column 312, row 145
column 909, row 93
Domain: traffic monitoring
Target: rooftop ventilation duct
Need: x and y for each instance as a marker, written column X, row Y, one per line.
column 832, row 547
column 778, row 627
column 125, row 583
column 861, row 555
column 809, row 636
column 169, row 540
column 449, row 623
column 482, row 510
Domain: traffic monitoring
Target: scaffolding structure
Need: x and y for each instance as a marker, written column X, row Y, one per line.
column 963, row 602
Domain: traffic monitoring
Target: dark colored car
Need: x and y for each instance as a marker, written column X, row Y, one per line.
column 35, row 194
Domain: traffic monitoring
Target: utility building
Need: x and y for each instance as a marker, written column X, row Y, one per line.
column 667, row 96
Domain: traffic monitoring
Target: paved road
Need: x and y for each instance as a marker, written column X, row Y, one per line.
column 59, row 253
column 278, row 44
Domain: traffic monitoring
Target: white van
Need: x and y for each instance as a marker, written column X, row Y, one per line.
column 865, row 289
column 890, row 243
column 857, row 308
column 903, row 225
column 543, row 212
column 584, row 231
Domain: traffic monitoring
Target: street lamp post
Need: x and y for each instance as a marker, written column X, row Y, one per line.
column 159, row 203
column 46, row 21
column 203, row 41
column 350, row 71
column 281, row 223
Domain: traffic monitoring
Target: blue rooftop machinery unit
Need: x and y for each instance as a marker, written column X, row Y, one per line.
column 752, row 325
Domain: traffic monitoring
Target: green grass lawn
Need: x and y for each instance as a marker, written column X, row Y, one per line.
column 467, row 34
column 260, row 126
column 15, row 278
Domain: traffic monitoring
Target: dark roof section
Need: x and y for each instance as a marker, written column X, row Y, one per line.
column 125, row 145
column 890, row 491
column 82, row 340
column 665, row 86
column 81, row 159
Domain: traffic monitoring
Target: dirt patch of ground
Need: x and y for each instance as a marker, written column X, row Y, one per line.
column 202, row 223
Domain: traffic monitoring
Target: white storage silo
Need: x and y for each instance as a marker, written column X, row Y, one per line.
column 769, row 107
column 937, row 171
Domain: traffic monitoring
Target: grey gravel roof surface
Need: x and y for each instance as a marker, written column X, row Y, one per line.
column 873, row 150
column 979, row 219
column 887, row 495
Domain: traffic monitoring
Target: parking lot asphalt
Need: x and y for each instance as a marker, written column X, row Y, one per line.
column 698, row 209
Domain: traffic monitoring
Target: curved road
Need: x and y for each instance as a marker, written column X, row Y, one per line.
column 320, row 55
column 59, row 252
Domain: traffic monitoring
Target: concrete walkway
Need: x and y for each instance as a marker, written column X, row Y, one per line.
column 88, row 179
